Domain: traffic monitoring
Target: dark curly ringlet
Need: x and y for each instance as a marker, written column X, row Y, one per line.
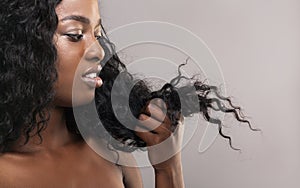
column 28, row 73
column 27, row 68
column 209, row 98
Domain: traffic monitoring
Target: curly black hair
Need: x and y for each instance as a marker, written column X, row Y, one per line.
column 193, row 96
column 28, row 73
column 27, row 68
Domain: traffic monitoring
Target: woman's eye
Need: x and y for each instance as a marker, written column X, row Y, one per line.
column 74, row 37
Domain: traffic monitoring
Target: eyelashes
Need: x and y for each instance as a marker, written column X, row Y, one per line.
column 74, row 37
column 78, row 37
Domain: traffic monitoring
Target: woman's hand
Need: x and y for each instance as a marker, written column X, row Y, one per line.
column 163, row 143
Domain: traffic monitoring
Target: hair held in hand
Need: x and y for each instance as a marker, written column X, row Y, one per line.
column 28, row 74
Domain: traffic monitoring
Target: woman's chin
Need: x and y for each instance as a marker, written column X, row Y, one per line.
column 82, row 99
column 76, row 100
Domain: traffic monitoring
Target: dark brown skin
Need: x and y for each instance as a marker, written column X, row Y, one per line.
column 64, row 160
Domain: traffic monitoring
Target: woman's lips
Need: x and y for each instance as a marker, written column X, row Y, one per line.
column 91, row 78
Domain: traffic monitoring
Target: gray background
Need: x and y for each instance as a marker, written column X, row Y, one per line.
column 256, row 43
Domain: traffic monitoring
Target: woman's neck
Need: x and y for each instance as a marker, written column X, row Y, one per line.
column 54, row 136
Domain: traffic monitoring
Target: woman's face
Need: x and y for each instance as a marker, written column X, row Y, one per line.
column 79, row 53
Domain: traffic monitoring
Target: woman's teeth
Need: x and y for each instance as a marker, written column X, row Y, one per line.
column 91, row 75
column 92, row 79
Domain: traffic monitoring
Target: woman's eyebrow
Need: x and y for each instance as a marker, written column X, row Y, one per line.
column 76, row 18
column 80, row 19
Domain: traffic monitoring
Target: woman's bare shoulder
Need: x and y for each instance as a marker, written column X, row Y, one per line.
column 9, row 169
column 7, row 162
column 13, row 161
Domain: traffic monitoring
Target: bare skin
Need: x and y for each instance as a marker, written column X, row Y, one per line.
column 63, row 159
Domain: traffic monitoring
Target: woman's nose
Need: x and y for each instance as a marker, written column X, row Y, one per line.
column 94, row 52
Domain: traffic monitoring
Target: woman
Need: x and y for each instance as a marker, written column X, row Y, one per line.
column 46, row 47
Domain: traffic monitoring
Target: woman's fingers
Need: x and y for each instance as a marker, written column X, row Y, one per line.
column 155, row 111
column 160, row 103
column 155, row 126
column 152, row 131
column 146, row 136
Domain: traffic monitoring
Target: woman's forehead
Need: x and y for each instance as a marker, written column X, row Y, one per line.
column 86, row 8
